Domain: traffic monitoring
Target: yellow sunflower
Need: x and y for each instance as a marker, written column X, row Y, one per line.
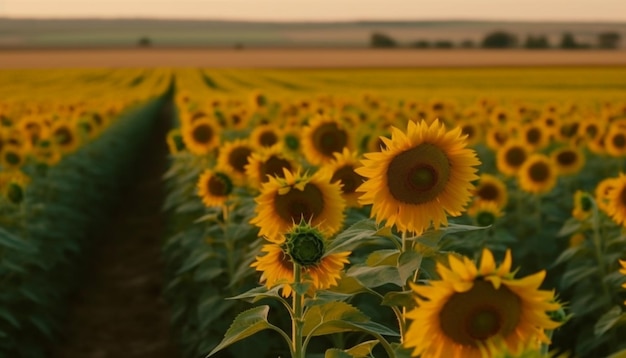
column 323, row 137
column 602, row 191
column 490, row 188
column 201, row 136
column 568, row 160
column 305, row 246
column 623, row 272
column 535, row 136
column 65, row 137
column 12, row 157
column 615, row 141
column 583, row 205
column 484, row 213
column 576, row 239
column 472, row 129
column 265, row 136
column 497, row 137
column 423, row 176
column 538, row 174
column 616, row 205
column 175, row 141
column 342, row 170
column 13, row 185
column 268, row 162
column 234, row 156
column 511, row 157
column 285, row 201
column 472, row 307
column 214, row 187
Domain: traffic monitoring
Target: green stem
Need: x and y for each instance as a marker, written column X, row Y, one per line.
column 598, row 249
column 298, row 322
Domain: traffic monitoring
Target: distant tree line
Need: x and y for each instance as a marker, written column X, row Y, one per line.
column 502, row 40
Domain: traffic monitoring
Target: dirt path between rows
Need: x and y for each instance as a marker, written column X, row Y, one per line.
column 119, row 312
column 303, row 58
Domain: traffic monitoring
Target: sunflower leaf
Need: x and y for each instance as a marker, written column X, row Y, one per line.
column 356, row 235
column 257, row 294
column 362, row 350
column 376, row 276
column 609, row 320
column 408, row 263
column 402, row 299
column 337, row 353
column 245, row 324
column 571, row 226
column 431, row 238
column 322, row 319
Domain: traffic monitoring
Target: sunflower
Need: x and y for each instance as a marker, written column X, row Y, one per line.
column 13, row 185
column 322, row 138
column 623, row 272
column 472, row 129
column 307, row 247
column 535, row 136
column 201, row 136
column 490, row 188
column 423, row 175
column 12, row 157
column 265, row 136
column 576, row 239
column 234, row 156
column 268, row 162
column 65, row 137
column 497, row 137
column 285, row 201
column 472, row 307
column 591, row 129
column 568, row 160
column 602, row 193
column 616, row 205
column 214, row 187
column 484, row 213
column 615, row 141
column 342, row 170
column 583, row 204
column 538, row 174
column 175, row 141
column 511, row 157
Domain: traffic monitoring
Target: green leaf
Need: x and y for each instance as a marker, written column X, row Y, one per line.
column 402, row 299
column 387, row 257
column 400, row 351
column 620, row 354
column 612, row 318
column 375, row 276
column 245, row 324
column 257, row 293
column 348, row 285
column 319, row 320
column 577, row 274
column 356, row 235
column 362, row 350
column 300, row 288
column 431, row 238
column 568, row 254
column 408, row 263
column 571, row 226
column 337, row 353
column 325, row 296
column 11, row 241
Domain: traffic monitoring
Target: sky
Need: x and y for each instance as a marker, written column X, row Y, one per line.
column 322, row 10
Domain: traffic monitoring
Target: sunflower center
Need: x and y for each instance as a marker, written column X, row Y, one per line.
column 274, row 166
column 63, row 135
column 297, row 205
column 306, row 248
column 329, row 138
column 15, row 194
column 268, row 138
column 515, row 156
column 469, row 131
column 238, row 158
column 619, row 140
column 591, row 130
column 566, row 158
column 539, row 172
column 202, row 134
column 488, row 192
column 418, row 175
column 348, row 178
column 500, row 137
column 219, row 185
column 12, row 158
column 480, row 313
column 533, row 136
column 485, row 218
column 622, row 197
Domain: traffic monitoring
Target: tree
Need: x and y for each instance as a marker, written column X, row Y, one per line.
column 499, row 39
column 536, row 42
column 609, row 40
column 381, row 40
column 443, row 44
column 568, row 41
column 144, row 42
column 421, row 44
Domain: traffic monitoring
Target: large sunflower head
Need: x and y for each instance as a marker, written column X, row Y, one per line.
column 511, row 157
column 201, row 136
column 234, row 156
column 214, row 187
column 490, row 188
column 322, row 138
column 568, row 160
column 538, row 174
column 472, row 307
column 295, row 197
column 305, row 246
column 616, row 200
column 424, row 175
column 342, row 170
column 268, row 162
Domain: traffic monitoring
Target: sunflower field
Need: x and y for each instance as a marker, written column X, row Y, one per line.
column 326, row 213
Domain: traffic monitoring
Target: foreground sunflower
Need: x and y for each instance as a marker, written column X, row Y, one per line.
column 305, row 246
column 473, row 307
column 295, row 197
column 423, row 176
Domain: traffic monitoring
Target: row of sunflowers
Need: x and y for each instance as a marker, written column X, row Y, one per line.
column 66, row 144
column 377, row 224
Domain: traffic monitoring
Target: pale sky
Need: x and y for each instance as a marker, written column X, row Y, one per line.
column 325, row 10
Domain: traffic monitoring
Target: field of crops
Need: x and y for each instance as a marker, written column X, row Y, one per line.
column 331, row 213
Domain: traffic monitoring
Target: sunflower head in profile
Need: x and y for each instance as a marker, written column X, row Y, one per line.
column 268, row 162
column 295, row 197
column 484, row 213
column 234, row 156
column 490, row 188
column 424, row 175
column 583, row 205
column 215, row 187
column 201, row 136
column 568, row 160
column 305, row 246
column 342, row 170
column 616, row 200
column 175, row 142
column 472, row 307
column 322, row 138
column 538, row 174
column 265, row 136
column 511, row 157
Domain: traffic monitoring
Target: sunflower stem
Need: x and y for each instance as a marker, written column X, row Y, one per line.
column 298, row 322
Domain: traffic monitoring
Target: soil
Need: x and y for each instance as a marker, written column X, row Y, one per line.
column 303, row 58
column 119, row 312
